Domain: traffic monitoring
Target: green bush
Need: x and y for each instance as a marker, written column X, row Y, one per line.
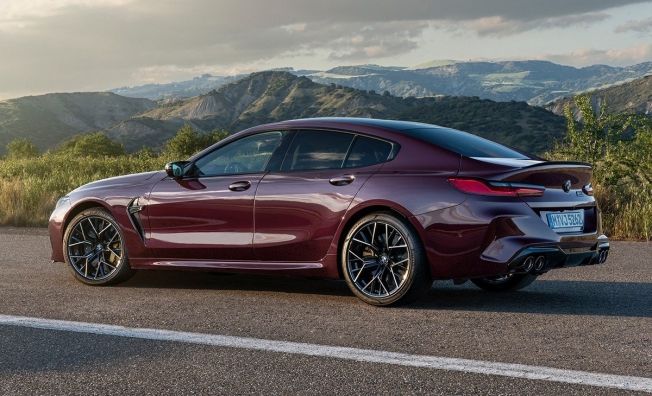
column 91, row 145
column 188, row 141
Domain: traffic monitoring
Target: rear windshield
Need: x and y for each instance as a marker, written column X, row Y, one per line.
column 464, row 143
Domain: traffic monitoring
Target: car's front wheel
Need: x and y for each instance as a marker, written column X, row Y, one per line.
column 509, row 282
column 94, row 248
column 383, row 261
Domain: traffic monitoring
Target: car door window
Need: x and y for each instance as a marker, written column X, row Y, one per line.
column 367, row 151
column 247, row 155
column 312, row 150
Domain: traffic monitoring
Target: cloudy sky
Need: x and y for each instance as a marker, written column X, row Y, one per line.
column 81, row 45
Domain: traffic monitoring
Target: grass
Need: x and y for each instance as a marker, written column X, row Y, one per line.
column 29, row 188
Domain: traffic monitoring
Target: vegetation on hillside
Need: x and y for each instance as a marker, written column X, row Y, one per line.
column 31, row 184
column 620, row 148
column 618, row 145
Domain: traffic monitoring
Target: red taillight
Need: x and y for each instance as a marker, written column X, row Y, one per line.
column 499, row 189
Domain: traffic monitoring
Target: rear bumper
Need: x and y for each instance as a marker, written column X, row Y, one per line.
column 541, row 259
column 483, row 238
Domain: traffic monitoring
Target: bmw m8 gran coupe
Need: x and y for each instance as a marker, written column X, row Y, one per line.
column 388, row 206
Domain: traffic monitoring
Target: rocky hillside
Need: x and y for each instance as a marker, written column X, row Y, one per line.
column 48, row 119
column 631, row 97
column 276, row 95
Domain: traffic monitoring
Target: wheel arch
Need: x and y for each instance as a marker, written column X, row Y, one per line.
column 359, row 213
column 80, row 207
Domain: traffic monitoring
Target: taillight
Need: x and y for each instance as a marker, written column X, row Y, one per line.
column 499, row 189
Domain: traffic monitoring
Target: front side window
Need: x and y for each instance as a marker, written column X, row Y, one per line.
column 247, row 155
column 313, row 150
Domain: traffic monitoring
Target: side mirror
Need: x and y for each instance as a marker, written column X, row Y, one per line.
column 175, row 169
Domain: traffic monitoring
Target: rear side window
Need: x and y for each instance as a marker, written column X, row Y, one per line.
column 317, row 150
column 464, row 143
column 367, row 151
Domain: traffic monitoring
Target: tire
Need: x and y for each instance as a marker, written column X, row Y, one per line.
column 91, row 244
column 511, row 282
column 381, row 273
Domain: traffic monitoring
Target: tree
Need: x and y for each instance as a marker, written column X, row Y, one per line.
column 21, row 148
column 188, row 141
column 92, row 145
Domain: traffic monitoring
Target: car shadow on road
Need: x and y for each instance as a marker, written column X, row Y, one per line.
column 553, row 297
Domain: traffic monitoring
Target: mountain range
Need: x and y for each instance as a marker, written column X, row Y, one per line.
column 262, row 97
column 277, row 95
column 244, row 101
column 536, row 82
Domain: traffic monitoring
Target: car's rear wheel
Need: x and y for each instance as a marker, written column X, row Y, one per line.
column 383, row 261
column 509, row 282
column 94, row 248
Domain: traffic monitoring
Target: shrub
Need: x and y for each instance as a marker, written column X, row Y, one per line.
column 91, row 145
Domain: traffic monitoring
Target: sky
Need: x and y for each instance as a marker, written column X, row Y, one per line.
column 93, row 45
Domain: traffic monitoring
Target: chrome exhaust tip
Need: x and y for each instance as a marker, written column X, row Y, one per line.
column 539, row 263
column 528, row 264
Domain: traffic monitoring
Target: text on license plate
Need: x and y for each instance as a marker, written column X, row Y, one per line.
column 568, row 221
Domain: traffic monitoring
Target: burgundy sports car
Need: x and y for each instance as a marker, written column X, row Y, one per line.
column 388, row 206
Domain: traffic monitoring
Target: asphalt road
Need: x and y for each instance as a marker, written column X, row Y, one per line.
column 595, row 319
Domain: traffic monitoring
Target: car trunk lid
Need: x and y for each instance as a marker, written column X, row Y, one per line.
column 567, row 186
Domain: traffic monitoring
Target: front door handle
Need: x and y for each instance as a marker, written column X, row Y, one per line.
column 240, row 186
column 342, row 180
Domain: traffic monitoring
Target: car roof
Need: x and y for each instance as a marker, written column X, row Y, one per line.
column 347, row 122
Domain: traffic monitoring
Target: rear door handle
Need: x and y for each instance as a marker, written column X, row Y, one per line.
column 240, row 186
column 342, row 180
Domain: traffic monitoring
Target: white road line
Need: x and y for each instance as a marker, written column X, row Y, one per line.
column 360, row 355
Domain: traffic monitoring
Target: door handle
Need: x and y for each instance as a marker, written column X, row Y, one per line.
column 240, row 186
column 342, row 180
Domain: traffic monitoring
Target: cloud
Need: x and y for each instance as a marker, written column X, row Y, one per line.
column 639, row 26
column 500, row 26
column 377, row 41
column 618, row 57
column 55, row 45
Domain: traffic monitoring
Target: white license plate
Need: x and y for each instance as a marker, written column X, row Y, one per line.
column 567, row 221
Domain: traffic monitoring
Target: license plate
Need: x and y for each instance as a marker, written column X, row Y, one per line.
column 567, row 221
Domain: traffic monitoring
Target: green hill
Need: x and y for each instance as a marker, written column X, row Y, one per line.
column 49, row 119
column 631, row 97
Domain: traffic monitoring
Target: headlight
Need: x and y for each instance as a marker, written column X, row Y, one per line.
column 65, row 200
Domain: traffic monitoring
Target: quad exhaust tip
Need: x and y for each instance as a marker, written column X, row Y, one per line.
column 603, row 256
column 528, row 264
column 539, row 263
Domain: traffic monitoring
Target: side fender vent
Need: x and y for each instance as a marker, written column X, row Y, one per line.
column 133, row 210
